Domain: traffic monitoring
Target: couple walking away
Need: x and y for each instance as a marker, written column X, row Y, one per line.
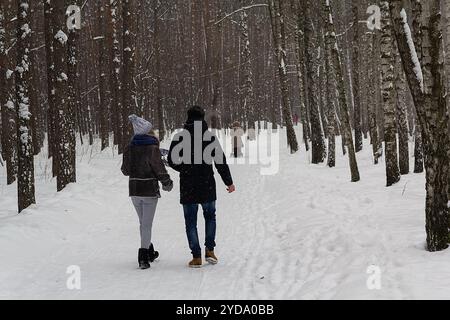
column 143, row 164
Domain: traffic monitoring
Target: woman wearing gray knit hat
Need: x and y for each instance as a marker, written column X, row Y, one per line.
column 142, row 162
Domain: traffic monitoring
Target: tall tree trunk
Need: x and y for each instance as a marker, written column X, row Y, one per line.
column 345, row 112
column 7, row 95
column 317, row 138
column 116, row 85
column 277, row 20
column 64, row 123
column 417, row 36
column 104, row 65
column 129, row 50
column 387, row 71
column 402, row 116
column 426, row 83
column 159, row 93
column 299, row 51
column 447, row 67
column 25, row 178
column 35, row 108
column 372, row 101
column 74, row 94
column 355, row 77
column 246, row 90
column 330, row 75
column 52, row 111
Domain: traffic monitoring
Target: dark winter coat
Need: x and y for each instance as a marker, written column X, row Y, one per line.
column 197, row 183
column 143, row 164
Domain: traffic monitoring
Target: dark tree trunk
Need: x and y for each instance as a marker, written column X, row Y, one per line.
column 277, row 20
column 347, row 135
column 330, row 75
column 317, row 138
column 116, row 101
column 129, row 53
column 104, row 64
column 356, row 78
column 64, row 122
column 51, row 84
column 74, row 94
column 402, row 118
column 417, row 36
column 25, row 177
column 7, row 95
column 159, row 93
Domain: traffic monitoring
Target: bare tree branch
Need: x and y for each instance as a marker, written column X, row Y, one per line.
column 241, row 9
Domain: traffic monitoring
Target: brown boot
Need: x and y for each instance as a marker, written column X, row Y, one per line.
column 211, row 257
column 196, row 263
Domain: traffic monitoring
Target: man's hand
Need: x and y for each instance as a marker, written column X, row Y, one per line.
column 231, row 189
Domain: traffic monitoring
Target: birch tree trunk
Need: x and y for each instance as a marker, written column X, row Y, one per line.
column 447, row 66
column 299, row 51
column 426, row 83
column 25, row 177
column 402, row 116
column 330, row 75
column 373, row 71
column 387, row 72
column 356, row 77
column 417, row 36
column 280, row 52
column 246, row 91
column 345, row 112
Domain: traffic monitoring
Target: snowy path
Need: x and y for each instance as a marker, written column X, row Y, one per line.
column 305, row 233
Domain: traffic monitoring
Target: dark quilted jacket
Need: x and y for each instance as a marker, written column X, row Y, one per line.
column 142, row 162
column 197, row 183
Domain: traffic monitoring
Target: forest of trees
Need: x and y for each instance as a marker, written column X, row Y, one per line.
column 71, row 71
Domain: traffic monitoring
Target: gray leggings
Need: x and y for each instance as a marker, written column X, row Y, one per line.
column 145, row 208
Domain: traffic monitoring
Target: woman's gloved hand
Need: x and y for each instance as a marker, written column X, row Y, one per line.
column 168, row 186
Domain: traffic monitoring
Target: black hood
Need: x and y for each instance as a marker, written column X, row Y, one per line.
column 190, row 125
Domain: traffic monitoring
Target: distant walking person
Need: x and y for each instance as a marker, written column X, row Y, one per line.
column 296, row 119
column 237, row 143
column 188, row 155
column 143, row 164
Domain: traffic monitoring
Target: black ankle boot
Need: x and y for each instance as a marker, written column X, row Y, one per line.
column 143, row 259
column 152, row 254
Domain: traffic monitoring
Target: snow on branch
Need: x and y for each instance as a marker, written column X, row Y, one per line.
column 412, row 49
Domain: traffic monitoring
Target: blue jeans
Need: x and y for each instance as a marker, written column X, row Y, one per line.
column 190, row 217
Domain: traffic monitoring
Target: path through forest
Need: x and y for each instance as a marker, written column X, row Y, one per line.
column 304, row 233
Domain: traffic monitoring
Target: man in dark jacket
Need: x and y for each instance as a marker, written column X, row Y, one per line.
column 192, row 154
column 142, row 162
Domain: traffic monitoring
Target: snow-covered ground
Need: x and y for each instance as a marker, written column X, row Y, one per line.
column 304, row 233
